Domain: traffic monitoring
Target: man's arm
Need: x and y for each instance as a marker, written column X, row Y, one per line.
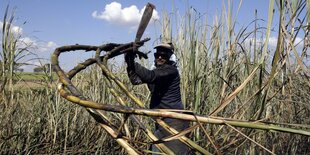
column 133, row 77
column 139, row 74
column 151, row 76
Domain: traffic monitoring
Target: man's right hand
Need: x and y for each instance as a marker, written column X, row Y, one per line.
column 130, row 59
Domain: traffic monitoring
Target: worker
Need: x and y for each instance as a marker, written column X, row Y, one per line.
column 164, row 84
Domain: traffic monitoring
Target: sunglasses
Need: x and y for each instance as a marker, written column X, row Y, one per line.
column 163, row 56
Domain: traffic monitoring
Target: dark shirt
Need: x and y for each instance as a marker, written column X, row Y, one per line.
column 163, row 82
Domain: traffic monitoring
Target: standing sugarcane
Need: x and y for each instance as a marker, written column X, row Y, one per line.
column 70, row 92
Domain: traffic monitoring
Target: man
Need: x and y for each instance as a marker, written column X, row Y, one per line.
column 164, row 84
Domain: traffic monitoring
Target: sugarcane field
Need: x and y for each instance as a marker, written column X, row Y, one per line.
column 173, row 77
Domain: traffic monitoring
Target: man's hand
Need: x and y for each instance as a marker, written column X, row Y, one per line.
column 130, row 59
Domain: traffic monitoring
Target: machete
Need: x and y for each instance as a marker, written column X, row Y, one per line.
column 146, row 17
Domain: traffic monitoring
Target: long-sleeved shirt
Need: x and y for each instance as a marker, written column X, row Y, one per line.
column 163, row 82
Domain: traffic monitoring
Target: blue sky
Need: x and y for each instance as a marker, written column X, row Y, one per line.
column 54, row 23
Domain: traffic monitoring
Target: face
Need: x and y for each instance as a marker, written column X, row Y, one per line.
column 161, row 58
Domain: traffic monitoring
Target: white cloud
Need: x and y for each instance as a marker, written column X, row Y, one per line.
column 273, row 41
column 298, row 43
column 36, row 46
column 26, row 41
column 15, row 29
column 51, row 44
column 127, row 16
column 41, row 49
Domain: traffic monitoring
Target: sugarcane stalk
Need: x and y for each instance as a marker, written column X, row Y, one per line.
column 181, row 116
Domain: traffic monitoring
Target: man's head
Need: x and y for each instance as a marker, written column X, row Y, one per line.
column 163, row 53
